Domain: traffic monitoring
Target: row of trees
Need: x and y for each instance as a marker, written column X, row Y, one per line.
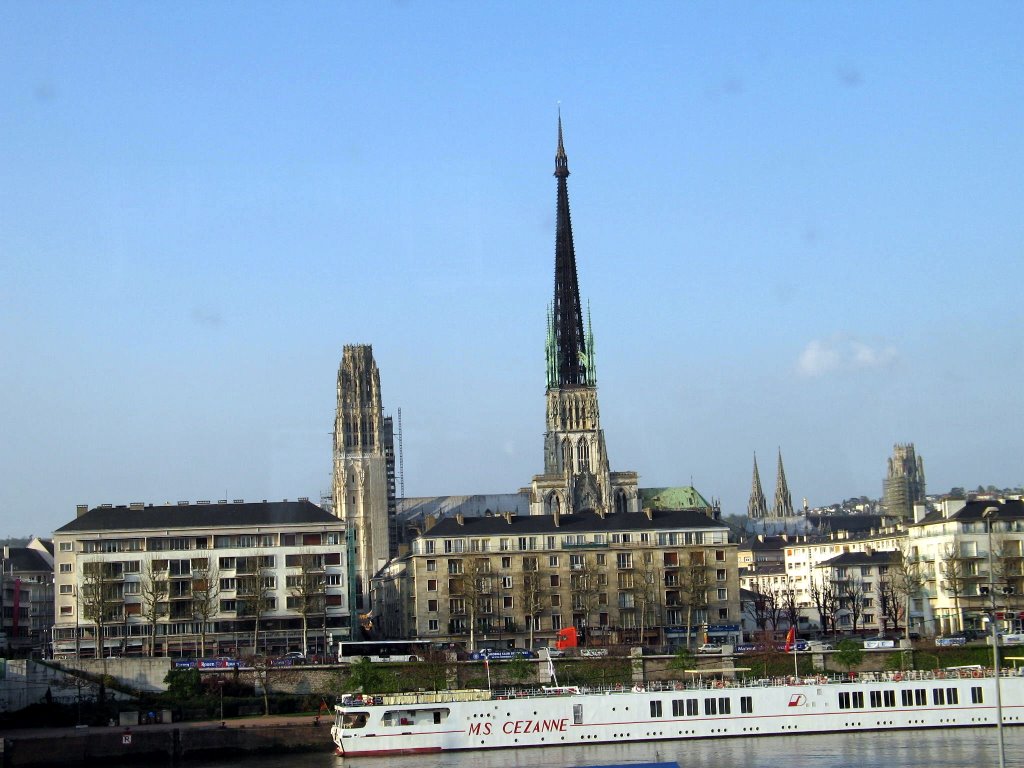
column 103, row 601
column 642, row 592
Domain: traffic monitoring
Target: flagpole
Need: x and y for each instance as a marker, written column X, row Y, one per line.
column 487, row 666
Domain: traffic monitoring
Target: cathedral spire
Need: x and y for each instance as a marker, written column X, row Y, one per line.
column 757, row 507
column 783, row 506
column 568, row 344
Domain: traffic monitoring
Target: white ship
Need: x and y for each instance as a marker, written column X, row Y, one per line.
column 480, row 719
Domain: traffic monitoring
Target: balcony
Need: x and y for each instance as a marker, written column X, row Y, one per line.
column 584, row 545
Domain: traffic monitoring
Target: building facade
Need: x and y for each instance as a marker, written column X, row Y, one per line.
column 200, row 579
column 576, row 475
column 654, row 577
column 26, row 598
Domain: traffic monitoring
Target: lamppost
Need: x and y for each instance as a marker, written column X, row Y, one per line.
column 987, row 515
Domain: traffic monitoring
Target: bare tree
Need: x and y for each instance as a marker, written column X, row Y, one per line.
column 254, row 598
column 788, row 604
column 907, row 578
column 693, row 587
column 826, row 601
column 532, row 594
column 953, row 570
column 475, row 587
column 97, row 598
column 205, row 591
column 645, row 593
column 153, row 590
column 890, row 606
column 306, row 590
column 851, row 598
column 757, row 609
column 585, row 586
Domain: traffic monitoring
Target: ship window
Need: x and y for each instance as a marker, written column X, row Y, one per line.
column 691, row 707
column 921, row 696
column 677, row 707
column 889, row 698
column 746, row 704
column 710, row 707
column 952, row 696
column 876, row 699
column 355, row 720
column 907, row 698
column 938, row 696
column 724, row 708
column 858, row 699
column 655, row 709
column 844, row 700
column 976, row 697
column 577, row 714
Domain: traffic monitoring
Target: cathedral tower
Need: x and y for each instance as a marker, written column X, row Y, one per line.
column 757, row 507
column 904, row 481
column 360, row 467
column 783, row 506
column 576, row 475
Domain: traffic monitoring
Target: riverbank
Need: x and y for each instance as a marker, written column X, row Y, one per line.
column 34, row 748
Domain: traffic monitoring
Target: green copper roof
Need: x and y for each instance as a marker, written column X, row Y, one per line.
column 681, row 497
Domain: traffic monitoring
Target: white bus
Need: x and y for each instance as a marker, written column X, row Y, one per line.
column 380, row 650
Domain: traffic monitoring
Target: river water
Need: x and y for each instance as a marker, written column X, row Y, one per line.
column 955, row 748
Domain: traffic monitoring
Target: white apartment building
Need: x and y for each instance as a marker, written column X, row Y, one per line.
column 237, row 578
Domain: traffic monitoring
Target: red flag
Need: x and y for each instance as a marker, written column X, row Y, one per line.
column 790, row 639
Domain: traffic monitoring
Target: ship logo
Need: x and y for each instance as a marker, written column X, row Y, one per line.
column 797, row 700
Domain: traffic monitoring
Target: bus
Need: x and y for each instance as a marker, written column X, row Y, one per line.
column 380, row 650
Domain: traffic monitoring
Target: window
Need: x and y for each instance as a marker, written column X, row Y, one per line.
column 907, row 698
column 454, row 566
column 720, row 574
column 506, row 582
column 65, row 567
column 556, row 601
column 428, row 547
column 553, row 561
column 529, row 563
column 889, row 698
column 746, row 705
column 431, row 565
column 723, row 594
column 504, row 545
column 938, row 696
column 656, row 709
column 554, row 580
column 432, row 606
column 457, row 605
column 506, row 562
column 720, row 555
column 711, row 707
column 66, row 546
column 556, row 621
column 602, row 559
column 920, row 697
column 507, row 601
column 228, row 563
column 227, row 606
column 624, row 560
column 976, row 697
column 132, row 588
column 876, row 699
column 724, row 706
column 952, row 696
column 66, row 610
column 67, row 589
column 431, row 585
column 432, row 625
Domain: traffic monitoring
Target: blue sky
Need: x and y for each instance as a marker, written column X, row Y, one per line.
column 797, row 225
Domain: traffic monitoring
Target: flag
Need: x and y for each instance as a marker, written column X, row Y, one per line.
column 487, row 664
column 790, row 639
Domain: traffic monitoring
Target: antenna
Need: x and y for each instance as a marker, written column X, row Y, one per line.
column 401, row 459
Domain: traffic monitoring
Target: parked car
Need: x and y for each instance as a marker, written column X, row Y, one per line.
column 709, row 648
column 553, row 652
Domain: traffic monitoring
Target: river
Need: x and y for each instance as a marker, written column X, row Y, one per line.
column 955, row 748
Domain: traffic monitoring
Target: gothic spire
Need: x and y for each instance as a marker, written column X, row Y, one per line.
column 783, row 499
column 757, row 507
column 568, row 342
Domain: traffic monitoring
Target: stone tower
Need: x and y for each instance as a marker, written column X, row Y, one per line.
column 576, row 474
column 360, row 467
column 757, row 507
column 904, row 482
column 783, row 506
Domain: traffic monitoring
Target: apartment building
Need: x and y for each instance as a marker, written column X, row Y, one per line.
column 200, row 579
column 651, row 577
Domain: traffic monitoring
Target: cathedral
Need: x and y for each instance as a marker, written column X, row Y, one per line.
column 576, row 475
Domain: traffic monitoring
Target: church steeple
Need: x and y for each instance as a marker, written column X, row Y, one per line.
column 783, row 499
column 569, row 348
column 757, row 507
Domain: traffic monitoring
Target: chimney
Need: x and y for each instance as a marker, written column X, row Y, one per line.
column 650, row 513
column 460, row 518
column 81, row 509
column 951, row 506
column 428, row 522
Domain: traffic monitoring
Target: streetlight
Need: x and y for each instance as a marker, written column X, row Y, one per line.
column 987, row 515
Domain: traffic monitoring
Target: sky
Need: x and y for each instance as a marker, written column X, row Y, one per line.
column 797, row 225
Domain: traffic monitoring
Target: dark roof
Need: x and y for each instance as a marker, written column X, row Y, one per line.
column 973, row 511
column 578, row 523
column 885, row 557
column 849, row 523
column 24, row 560
column 199, row 516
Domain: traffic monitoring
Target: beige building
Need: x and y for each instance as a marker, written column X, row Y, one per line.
column 200, row 579
column 644, row 577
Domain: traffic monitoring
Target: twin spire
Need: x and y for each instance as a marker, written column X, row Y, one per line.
column 757, row 506
column 570, row 346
